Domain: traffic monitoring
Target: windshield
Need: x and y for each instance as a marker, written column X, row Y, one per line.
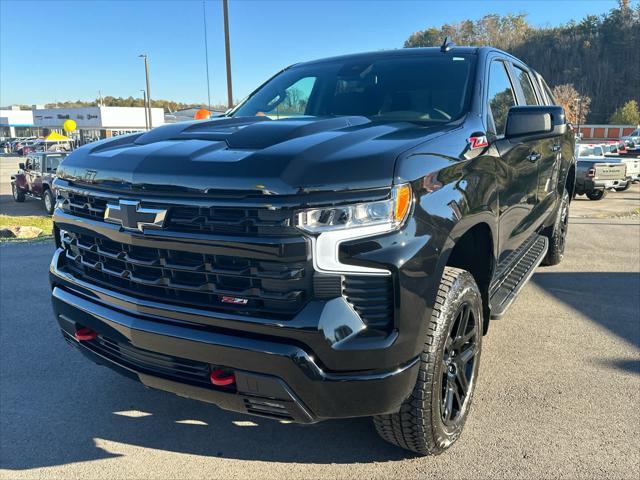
column 421, row 88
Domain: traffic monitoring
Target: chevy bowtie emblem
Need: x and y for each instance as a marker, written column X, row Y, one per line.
column 130, row 216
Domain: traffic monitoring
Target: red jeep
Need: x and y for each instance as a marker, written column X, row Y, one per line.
column 35, row 178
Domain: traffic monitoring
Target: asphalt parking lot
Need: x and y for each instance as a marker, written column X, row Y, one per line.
column 558, row 393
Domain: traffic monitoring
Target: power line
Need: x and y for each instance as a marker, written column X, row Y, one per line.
column 206, row 52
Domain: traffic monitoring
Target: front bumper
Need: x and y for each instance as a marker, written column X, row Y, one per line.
column 275, row 376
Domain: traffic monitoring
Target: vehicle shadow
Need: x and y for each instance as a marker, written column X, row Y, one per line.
column 79, row 424
column 610, row 299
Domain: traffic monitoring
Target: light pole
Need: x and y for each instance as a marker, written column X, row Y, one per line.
column 227, row 49
column 144, row 99
column 146, row 72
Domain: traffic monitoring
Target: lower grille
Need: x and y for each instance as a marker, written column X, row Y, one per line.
column 217, row 282
column 372, row 298
column 152, row 363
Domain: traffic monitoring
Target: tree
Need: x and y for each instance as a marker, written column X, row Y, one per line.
column 598, row 54
column 627, row 114
column 567, row 96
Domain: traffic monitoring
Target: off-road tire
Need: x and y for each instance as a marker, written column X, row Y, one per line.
column 557, row 234
column 596, row 194
column 48, row 202
column 419, row 425
column 17, row 193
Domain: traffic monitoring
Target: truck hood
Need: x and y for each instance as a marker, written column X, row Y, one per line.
column 252, row 155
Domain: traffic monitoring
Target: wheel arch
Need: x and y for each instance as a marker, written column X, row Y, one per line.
column 474, row 249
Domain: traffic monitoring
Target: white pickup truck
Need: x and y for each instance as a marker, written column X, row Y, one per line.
column 633, row 164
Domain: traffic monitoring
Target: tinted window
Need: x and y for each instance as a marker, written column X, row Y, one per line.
column 501, row 96
column 527, row 87
column 34, row 164
column 420, row 88
column 547, row 91
column 52, row 162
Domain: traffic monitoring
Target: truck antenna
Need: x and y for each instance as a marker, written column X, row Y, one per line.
column 446, row 45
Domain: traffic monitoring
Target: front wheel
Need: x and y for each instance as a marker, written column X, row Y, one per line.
column 17, row 193
column 433, row 416
column 596, row 194
column 48, row 202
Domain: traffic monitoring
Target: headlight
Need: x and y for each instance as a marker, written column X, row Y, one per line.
column 334, row 225
column 391, row 213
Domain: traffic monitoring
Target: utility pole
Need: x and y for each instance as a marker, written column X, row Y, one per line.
column 144, row 98
column 148, row 101
column 206, row 54
column 225, row 11
column 579, row 100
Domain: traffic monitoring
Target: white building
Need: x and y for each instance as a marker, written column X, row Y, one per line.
column 95, row 123
column 16, row 123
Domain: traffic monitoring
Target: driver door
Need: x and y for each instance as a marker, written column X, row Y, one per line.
column 35, row 175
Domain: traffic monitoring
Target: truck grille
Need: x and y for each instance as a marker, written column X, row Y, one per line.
column 372, row 298
column 218, row 282
column 193, row 218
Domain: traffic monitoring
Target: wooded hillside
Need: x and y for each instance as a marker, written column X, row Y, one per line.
column 600, row 56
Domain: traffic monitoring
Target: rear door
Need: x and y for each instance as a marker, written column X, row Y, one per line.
column 547, row 151
column 517, row 175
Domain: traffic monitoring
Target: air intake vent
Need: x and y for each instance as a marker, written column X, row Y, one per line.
column 269, row 408
column 372, row 297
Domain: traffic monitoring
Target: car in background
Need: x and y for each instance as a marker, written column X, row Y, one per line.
column 632, row 141
column 611, row 151
column 35, row 178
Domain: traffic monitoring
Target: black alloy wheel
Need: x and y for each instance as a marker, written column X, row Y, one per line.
column 458, row 365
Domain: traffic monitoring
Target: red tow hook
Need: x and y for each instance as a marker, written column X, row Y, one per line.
column 85, row 334
column 222, row 378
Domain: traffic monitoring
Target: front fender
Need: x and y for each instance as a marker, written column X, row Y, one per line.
column 20, row 180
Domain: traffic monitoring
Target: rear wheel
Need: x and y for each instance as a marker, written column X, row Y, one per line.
column 557, row 236
column 18, row 194
column 596, row 194
column 48, row 202
column 433, row 416
column 622, row 189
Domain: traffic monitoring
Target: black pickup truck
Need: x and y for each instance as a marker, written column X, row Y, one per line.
column 334, row 247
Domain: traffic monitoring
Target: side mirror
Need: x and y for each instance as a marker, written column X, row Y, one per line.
column 535, row 122
column 22, row 166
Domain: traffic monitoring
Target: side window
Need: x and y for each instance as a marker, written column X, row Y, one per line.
column 35, row 163
column 527, row 87
column 547, row 91
column 501, row 97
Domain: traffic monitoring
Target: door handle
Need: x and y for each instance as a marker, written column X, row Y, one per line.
column 533, row 156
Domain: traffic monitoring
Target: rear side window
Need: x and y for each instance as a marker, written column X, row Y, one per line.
column 527, row 87
column 547, row 91
column 501, row 97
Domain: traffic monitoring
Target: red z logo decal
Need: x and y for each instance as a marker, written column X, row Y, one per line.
column 478, row 142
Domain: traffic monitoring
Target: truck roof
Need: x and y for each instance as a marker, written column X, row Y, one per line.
column 399, row 52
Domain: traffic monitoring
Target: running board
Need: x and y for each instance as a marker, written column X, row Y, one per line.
column 517, row 275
